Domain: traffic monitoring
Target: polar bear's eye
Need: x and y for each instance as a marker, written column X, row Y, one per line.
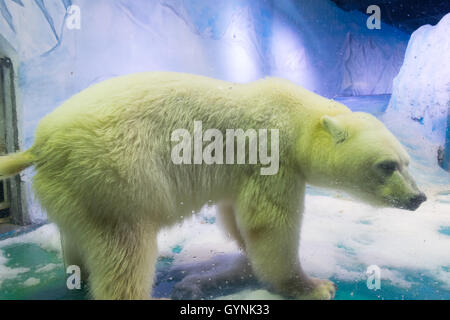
column 387, row 167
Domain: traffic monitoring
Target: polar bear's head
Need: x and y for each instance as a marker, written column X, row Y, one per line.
column 368, row 161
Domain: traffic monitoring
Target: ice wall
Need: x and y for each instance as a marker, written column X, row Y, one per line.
column 445, row 163
column 345, row 57
column 421, row 90
column 311, row 42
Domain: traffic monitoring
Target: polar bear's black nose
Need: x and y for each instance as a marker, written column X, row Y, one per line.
column 416, row 201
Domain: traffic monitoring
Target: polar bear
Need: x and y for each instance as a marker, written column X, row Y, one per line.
column 105, row 176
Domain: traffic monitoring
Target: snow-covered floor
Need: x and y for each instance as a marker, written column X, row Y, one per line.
column 340, row 238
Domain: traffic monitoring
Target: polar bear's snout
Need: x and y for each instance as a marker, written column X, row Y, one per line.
column 416, row 201
column 405, row 190
column 399, row 190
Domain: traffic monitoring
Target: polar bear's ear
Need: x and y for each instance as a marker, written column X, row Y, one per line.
column 334, row 127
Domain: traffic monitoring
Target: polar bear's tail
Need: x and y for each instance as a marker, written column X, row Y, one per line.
column 13, row 163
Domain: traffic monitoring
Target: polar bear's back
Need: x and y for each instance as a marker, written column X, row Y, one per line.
column 117, row 95
column 147, row 94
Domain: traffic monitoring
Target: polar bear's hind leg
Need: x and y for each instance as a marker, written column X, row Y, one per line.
column 121, row 262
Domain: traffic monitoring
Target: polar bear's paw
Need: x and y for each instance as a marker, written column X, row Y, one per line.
column 320, row 290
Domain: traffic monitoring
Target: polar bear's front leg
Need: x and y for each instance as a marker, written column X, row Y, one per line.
column 273, row 253
column 272, row 233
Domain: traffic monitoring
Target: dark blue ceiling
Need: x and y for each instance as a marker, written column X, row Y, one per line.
column 407, row 15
